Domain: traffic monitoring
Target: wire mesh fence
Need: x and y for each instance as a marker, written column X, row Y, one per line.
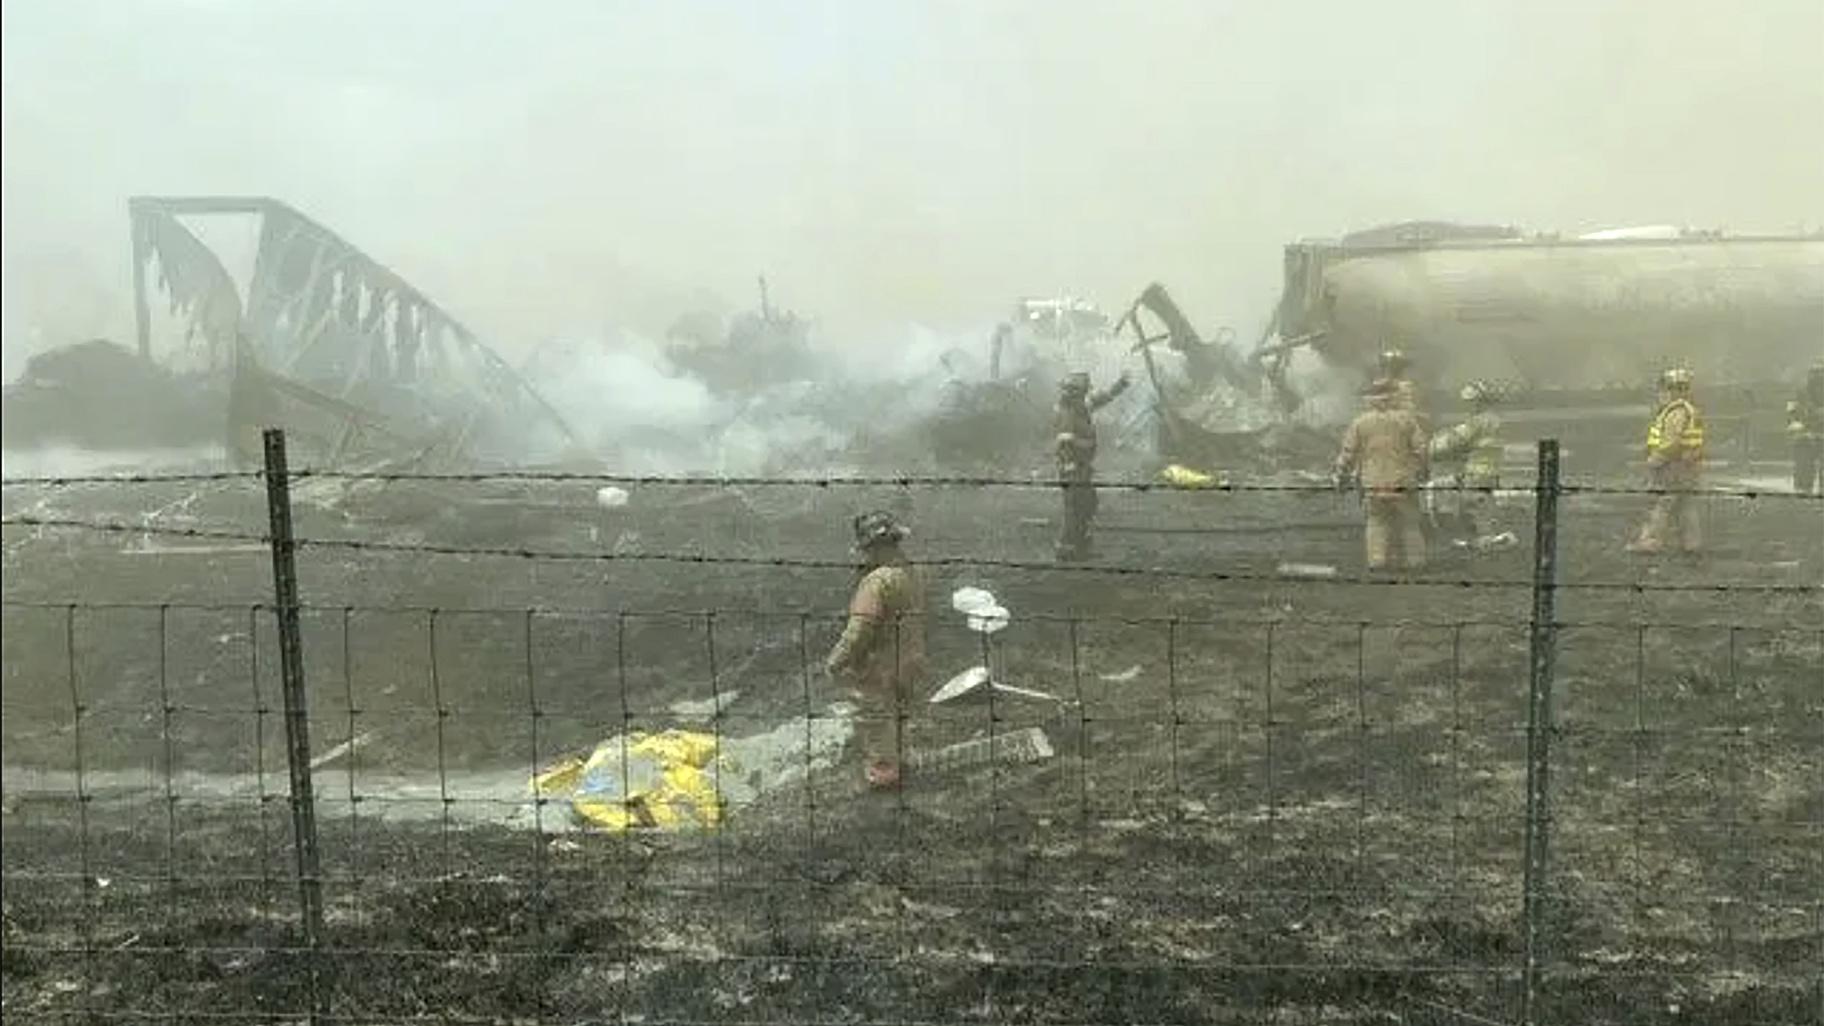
column 1248, row 812
column 1298, row 808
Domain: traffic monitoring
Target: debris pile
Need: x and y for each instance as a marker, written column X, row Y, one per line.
column 100, row 395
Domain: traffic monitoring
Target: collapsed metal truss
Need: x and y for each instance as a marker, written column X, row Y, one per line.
column 329, row 325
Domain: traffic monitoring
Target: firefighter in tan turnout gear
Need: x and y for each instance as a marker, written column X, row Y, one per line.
column 1675, row 463
column 1384, row 450
column 1074, row 439
column 881, row 654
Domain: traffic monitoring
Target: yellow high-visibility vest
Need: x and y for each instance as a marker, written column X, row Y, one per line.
column 1690, row 440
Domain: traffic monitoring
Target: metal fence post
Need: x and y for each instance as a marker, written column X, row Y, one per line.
column 297, row 722
column 1539, row 721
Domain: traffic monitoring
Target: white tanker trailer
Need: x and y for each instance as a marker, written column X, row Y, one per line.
column 1564, row 323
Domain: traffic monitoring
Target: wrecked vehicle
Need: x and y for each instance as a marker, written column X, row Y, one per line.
column 1202, row 403
column 1574, row 329
column 745, row 353
column 995, row 415
column 101, row 395
column 1215, row 407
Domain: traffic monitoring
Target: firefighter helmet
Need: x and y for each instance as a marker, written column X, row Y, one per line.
column 878, row 528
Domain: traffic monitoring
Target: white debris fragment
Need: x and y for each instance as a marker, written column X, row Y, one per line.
column 968, row 600
column 610, row 497
column 961, row 684
column 973, row 679
column 1021, row 746
column 984, row 615
column 705, row 709
column 1318, row 571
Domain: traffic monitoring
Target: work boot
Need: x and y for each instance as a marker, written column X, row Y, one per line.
column 883, row 774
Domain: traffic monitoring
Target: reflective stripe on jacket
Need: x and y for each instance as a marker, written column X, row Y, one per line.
column 1676, row 430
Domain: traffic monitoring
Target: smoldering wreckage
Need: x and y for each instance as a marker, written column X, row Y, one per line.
column 365, row 371
column 368, row 373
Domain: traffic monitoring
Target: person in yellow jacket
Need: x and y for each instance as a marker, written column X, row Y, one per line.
column 881, row 654
column 1675, row 463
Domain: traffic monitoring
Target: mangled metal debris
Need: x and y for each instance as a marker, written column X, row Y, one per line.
column 357, row 364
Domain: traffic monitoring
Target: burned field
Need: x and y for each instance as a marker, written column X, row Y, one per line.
column 1266, row 798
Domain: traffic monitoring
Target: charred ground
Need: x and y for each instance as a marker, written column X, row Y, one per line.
column 1305, row 804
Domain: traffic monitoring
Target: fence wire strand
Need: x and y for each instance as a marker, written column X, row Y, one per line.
column 961, row 561
column 828, row 482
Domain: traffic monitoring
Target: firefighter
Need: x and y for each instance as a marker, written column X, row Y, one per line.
column 1474, row 449
column 1805, row 423
column 1675, row 460
column 1384, row 451
column 1074, row 444
column 881, row 654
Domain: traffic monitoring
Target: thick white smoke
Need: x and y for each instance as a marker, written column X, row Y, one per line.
column 635, row 408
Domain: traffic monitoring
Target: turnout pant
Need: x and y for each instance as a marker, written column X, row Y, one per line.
column 1674, row 512
column 1396, row 530
column 877, row 719
column 1079, row 514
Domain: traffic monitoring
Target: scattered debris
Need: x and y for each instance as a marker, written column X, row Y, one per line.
column 1487, row 542
column 748, row 352
column 1020, row 746
column 984, row 614
column 703, row 709
column 610, row 497
column 100, row 395
column 345, row 748
column 971, row 681
column 145, row 548
column 1122, row 676
column 1313, row 571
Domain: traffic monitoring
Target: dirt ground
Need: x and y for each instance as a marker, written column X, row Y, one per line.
column 1272, row 799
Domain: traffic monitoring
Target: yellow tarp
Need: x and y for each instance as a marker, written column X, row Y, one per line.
column 673, row 782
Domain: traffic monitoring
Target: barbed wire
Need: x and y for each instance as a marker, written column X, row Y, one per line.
column 903, row 481
column 829, row 616
column 803, row 563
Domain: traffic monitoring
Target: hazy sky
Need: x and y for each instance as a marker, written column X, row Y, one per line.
column 560, row 166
